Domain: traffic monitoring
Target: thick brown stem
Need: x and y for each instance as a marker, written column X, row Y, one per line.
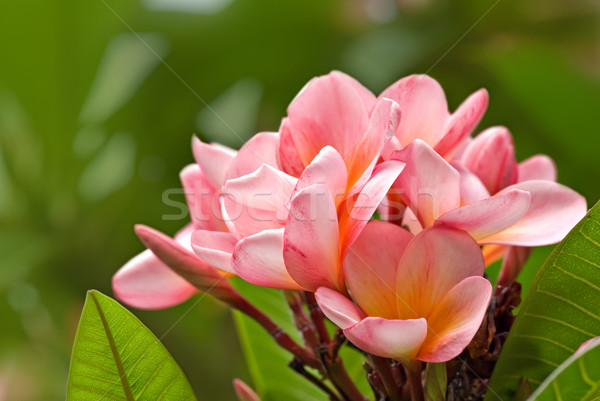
column 413, row 370
column 298, row 367
column 382, row 366
column 305, row 355
column 317, row 316
column 339, row 377
column 303, row 324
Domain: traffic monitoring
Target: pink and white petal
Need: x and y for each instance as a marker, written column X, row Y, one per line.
column 266, row 188
column 554, row 211
column 462, row 123
column 488, row 217
column 538, row 167
column 202, row 199
column 327, row 168
column 397, row 339
column 260, row 149
column 432, row 263
column 184, row 237
column 339, row 309
column 370, row 267
column 456, row 319
column 361, row 159
column 328, row 111
column 491, row 157
column 214, row 248
column 243, row 221
column 424, row 108
column 366, row 95
column 430, row 186
column 471, row 187
column 356, row 212
column 410, row 221
column 147, row 283
column 311, row 240
column 213, row 159
column 182, row 261
column 287, row 155
column 390, row 147
column 258, row 259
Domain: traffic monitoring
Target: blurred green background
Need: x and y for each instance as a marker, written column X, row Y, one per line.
column 94, row 128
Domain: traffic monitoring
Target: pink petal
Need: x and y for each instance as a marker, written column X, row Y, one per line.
column 327, row 168
column 266, row 188
column 260, row 149
column 243, row 221
column 411, row 223
column 456, row 319
column 356, row 212
column 462, row 123
column 258, row 259
column 554, row 211
column 483, row 219
column 213, row 159
column 287, row 155
column 339, row 309
column 202, row 199
column 491, row 157
column 432, row 263
column 311, row 240
column 147, row 283
column 471, row 187
column 398, row 339
column 214, row 248
column 431, row 186
column 538, row 167
column 366, row 95
column 424, row 108
column 361, row 159
column 328, row 111
column 256, row 201
column 371, row 264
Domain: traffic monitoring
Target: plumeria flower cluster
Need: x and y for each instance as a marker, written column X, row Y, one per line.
column 294, row 210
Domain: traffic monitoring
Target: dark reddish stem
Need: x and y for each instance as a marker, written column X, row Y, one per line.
column 413, row 371
column 298, row 366
column 316, row 316
column 303, row 324
column 280, row 336
column 383, row 368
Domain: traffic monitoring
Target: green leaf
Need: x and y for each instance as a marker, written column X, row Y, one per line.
column 577, row 378
column 115, row 357
column 267, row 362
column 436, row 382
column 561, row 311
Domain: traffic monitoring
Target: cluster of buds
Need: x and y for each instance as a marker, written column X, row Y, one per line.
column 294, row 210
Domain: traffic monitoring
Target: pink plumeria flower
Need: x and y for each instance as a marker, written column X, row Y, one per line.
column 323, row 221
column 149, row 280
column 336, row 110
column 489, row 161
column 324, row 173
column 529, row 213
column 425, row 115
column 420, row 297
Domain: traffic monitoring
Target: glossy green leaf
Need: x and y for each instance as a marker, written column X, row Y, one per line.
column 561, row 311
column 267, row 362
column 576, row 379
column 115, row 357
